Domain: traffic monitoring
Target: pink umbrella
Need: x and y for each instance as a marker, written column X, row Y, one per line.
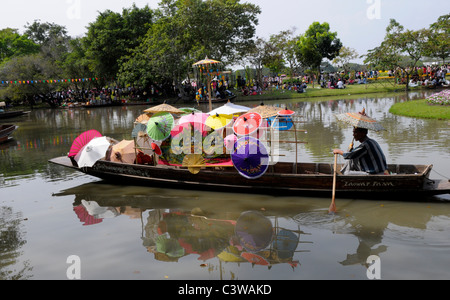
column 82, row 140
column 198, row 120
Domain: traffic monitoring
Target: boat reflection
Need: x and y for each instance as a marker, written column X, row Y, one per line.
column 261, row 230
column 172, row 232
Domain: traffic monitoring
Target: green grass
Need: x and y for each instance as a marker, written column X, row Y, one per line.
column 421, row 109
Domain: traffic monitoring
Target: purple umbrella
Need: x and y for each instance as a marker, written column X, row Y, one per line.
column 250, row 157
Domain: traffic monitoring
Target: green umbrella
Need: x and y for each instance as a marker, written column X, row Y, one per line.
column 160, row 125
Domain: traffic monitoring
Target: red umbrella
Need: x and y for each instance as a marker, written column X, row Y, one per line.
column 82, row 140
column 156, row 148
column 286, row 112
column 247, row 124
column 255, row 259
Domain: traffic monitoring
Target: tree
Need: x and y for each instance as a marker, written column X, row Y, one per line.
column 397, row 44
column 346, row 55
column 114, row 35
column 316, row 44
column 439, row 41
column 12, row 44
column 185, row 31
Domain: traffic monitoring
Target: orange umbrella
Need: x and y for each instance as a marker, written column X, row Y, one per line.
column 123, row 152
column 255, row 259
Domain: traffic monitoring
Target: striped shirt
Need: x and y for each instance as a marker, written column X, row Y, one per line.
column 369, row 157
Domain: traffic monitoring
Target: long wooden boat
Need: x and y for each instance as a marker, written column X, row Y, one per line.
column 407, row 182
column 6, row 131
column 12, row 114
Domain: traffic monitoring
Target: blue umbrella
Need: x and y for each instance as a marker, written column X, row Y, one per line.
column 250, row 157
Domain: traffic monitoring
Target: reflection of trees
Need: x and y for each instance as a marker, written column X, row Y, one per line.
column 11, row 239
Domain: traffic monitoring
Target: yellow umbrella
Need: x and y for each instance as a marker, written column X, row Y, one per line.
column 218, row 121
column 194, row 162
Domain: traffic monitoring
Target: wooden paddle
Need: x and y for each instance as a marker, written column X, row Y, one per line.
column 332, row 208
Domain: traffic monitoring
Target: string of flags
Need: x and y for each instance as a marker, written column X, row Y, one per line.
column 49, row 81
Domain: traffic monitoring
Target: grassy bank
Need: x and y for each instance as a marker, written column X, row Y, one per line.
column 421, row 109
column 316, row 92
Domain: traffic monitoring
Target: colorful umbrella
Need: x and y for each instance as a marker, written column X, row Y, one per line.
column 217, row 121
column 143, row 119
column 281, row 123
column 206, row 61
column 197, row 120
column 286, row 112
column 266, row 111
column 360, row 121
column 230, row 141
column 163, row 108
column 250, row 158
column 82, row 140
column 254, row 231
column 255, row 259
column 123, row 152
column 139, row 128
column 285, row 244
column 156, row 149
column 189, row 110
column 160, row 125
column 247, row 124
column 229, row 109
column 93, row 151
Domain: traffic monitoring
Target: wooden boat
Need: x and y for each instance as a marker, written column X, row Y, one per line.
column 12, row 114
column 6, row 131
column 407, row 182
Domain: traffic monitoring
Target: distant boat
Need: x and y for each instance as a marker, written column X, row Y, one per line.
column 6, row 131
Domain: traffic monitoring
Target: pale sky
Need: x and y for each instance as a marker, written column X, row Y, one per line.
column 360, row 24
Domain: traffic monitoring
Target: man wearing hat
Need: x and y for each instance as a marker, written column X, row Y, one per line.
column 367, row 158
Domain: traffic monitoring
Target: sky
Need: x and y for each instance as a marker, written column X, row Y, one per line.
column 360, row 24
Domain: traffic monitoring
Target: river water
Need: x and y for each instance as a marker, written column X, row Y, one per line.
column 59, row 224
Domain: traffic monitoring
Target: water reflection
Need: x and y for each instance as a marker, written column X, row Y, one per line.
column 249, row 229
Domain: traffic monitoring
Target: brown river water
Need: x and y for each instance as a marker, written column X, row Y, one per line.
column 58, row 224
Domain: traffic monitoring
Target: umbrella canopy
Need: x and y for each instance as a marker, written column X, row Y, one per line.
column 247, row 124
column 254, row 231
column 285, row 244
column 93, row 151
column 194, row 119
column 163, row 108
column 82, row 140
column 143, row 119
column 139, row 128
column 286, row 112
column 250, row 158
column 206, row 61
column 189, row 110
column 156, row 149
column 193, row 161
column 123, row 152
column 230, row 141
column 229, row 109
column 281, row 123
column 218, row 121
column 160, row 125
column 266, row 111
column 360, row 121
column 255, row 259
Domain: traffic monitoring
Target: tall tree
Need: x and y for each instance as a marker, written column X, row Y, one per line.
column 316, row 44
column 13, row 44
column 397, row 44
column 439, row 41
column 114, row 35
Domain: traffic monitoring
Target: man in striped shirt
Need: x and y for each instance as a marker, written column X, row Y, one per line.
column 367, row 157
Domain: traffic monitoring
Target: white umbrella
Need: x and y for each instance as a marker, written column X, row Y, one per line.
column 229, row 109
column 93, row 151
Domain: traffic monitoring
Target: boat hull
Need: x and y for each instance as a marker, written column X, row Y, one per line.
column 6, row 131
column 280, row 180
